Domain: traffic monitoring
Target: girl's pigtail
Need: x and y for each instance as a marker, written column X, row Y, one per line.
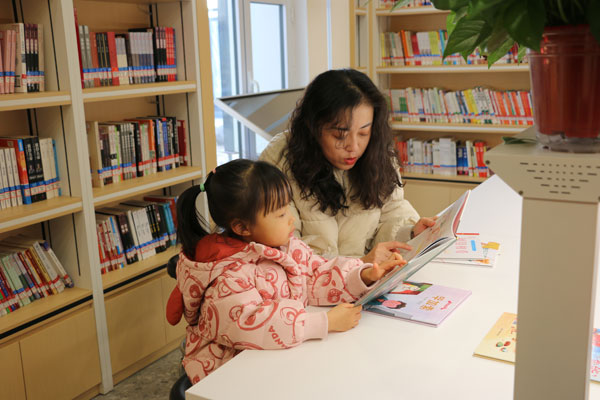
column 189, row 221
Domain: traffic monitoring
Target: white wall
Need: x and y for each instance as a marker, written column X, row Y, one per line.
column 317, row 35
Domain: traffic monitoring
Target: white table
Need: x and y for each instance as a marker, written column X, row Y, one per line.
column 385, row 358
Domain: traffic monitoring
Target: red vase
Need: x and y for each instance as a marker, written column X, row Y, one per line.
column 565, row 85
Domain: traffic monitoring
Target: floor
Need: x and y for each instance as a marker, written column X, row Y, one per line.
column 152, row 382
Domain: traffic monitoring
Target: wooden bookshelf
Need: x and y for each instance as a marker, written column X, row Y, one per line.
column 108, row 93
column 21, row 101
column 113, row 278
column 82, row 316
column 29, row 214
column 434, row 177
column 41, row 308
column 408, row 11
column 457, row 128
column 126, row 189
column 444, row 69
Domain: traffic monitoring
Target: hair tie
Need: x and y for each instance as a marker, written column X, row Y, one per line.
column 202, row 188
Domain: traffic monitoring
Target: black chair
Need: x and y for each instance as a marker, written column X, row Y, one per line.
column 183, row 383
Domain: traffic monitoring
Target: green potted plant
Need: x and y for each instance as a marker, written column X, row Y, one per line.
column 563, row 38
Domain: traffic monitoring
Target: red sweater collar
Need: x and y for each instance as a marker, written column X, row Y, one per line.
column 215, row 247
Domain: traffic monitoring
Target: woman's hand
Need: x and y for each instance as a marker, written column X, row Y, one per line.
column 383, row 251
column 343, row 317
column 423, row 224
column 374, row 273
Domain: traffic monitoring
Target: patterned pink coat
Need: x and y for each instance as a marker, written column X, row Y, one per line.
column 251, row 296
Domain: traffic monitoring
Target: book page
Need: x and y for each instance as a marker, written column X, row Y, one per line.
column 425, row 247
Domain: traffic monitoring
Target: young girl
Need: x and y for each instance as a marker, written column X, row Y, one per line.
column 247, row 286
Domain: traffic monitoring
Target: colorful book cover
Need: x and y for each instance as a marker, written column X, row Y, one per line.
column 419, row 302
column 500, row 343
column 490, row 250
column 467, row 246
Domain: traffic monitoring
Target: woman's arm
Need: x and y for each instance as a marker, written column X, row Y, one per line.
column 397, row 219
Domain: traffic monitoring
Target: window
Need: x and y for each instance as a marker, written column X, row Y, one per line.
column 253, row 45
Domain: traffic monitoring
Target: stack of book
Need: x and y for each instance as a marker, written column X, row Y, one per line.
column 135, row 230
column 444, row 156
column 21, row 58
column 29, row 270
column 134, row 148
column 28, row 170
column 472, row 106
column 426, row 48
column 138, row 56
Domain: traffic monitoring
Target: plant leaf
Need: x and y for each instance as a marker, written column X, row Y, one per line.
column 524, row 21
column 453, row 18
column 399, row 4
column 449, row 4
column 593, row 17
column 521, row 53
column 466, row 36
column 479, row 8
column 500, row 51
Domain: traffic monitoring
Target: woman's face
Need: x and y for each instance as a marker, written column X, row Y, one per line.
column 343, row 143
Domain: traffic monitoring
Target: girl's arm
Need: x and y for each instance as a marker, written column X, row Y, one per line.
column 243, row 319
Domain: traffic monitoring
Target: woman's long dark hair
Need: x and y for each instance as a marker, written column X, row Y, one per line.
column 329, row 98
column 240, row 190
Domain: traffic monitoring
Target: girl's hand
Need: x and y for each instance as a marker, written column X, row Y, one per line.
column 343, row 317
column 383, row 251
column 374, row 273
column 423, row 224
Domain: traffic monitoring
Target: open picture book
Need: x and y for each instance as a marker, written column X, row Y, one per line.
column 425, row 247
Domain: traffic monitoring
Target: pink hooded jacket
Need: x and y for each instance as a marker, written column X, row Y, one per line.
column 250, row 296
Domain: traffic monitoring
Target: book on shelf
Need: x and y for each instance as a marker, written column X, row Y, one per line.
column 500, row 343
column 29, row 270
column 425, row 247
column 22, row 55
column 443, row 156
column 143, row 55
column 133, row 231
column 477, row 105
column 424, row 303
column 123, row 150
column 387, row 4
column 28, row 170
column 408, row 48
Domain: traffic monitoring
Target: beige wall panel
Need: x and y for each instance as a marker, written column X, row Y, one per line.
column 172, row 332
column 112, row 16
column 418, row 23
column 117, row 110
column 431, row 197
column 61, row 361
column 11, row 372
column 459, row 81
column 135, row 320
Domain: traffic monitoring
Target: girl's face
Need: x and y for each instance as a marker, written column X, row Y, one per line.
column 273, row 229
column 344, row 143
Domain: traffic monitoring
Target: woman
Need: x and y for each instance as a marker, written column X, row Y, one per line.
column 339, row 157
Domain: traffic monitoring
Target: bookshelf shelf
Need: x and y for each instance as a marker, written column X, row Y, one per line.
column 138, row 1
column 41, row 308
column 384, row 12
column 18, row 217
column 471, row 128
column 20, row 101
column 140, row 90
column 433, row 177
column 361, row 12
column 113, row 278
column 126, row 189
column 444, row 69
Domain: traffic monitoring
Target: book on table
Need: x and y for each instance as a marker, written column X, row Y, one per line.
column 424, row 303
column 425, row 247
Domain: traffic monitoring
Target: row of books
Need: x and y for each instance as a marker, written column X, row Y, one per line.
column 135, row 230
column 28, row 170
column 138, row 56
column 426, row 48
column 443, row 156
column 29, row 270
column 413, row 3
column 136, row 147
column 474, row 106
column 21, row 58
